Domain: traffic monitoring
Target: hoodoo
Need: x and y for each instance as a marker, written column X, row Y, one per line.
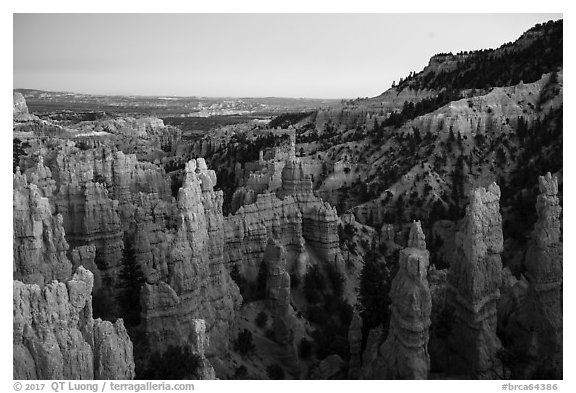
column 474, row 282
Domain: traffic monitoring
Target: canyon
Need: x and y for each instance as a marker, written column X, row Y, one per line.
column 417, row 234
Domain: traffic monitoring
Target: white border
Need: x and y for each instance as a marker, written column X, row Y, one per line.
column 300, row 6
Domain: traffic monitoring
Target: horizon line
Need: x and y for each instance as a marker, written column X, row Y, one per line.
column 185, row 96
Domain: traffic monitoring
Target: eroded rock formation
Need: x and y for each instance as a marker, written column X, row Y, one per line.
column 195, row 285
column 39, row 242
column 91, row 218
column 199, row 343
column 355, row 342
column 332, row 367
column 20, row 111
column 151, row 129
column 97, row 192
column 299, row 213
column 320, row 229
column 278, row 290
column 247, row 232
column 473, row 283
column 319, row 218
column 404, row 354
column 544, row 270
column 406, row 349
column 107, row 198
column 55, row 336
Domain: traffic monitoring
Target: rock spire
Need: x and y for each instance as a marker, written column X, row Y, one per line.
column 473, row 283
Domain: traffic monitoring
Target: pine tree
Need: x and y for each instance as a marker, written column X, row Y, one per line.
column 175, row 363
column 451, row 137
column 241, row 282
column 131, row 280
column 261, row 281
column 374, row 300
column 18, row 150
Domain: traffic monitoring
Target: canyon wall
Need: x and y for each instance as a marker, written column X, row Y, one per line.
column 247, row 233
column 106, row 201
column 39, row 242
column 196, row 284
column 55, row 336
column 97, row 193
column 20, row 108
column 294, row 212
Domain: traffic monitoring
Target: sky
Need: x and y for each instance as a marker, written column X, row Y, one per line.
column 244, row 55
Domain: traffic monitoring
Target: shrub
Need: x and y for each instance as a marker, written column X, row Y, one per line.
column 175, row 363
column 244, row 344
column 243, row 285
column 98, row 178
column 374, row 300
column 336, row 279
column 18, row 150
column 261, row 281
column 261, row 319
column 275, row 371
column 269, row 334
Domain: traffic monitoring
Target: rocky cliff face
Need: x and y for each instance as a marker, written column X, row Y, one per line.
column 247, row 233
column 404, row 354
column 406, row 348
column 97, row 193
column 20, row 111
column 355, row 342
column 294, row 181
column 278, row 290
column 41, row 176
column 295, row 213
column 55, row 336
column 122, row 174
column 91, row 218
column 242, row 196
column 320, row 229
column 39, row 242
column 477, row 120
column 151, row 129
column 319, row 218
column 152, row 234
column 196, row 285
column 485, row 114
column 200, row 342
column 262, row 176
column 543, row 262
column 473, row 284
column 106, row 198
column 365, row 112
